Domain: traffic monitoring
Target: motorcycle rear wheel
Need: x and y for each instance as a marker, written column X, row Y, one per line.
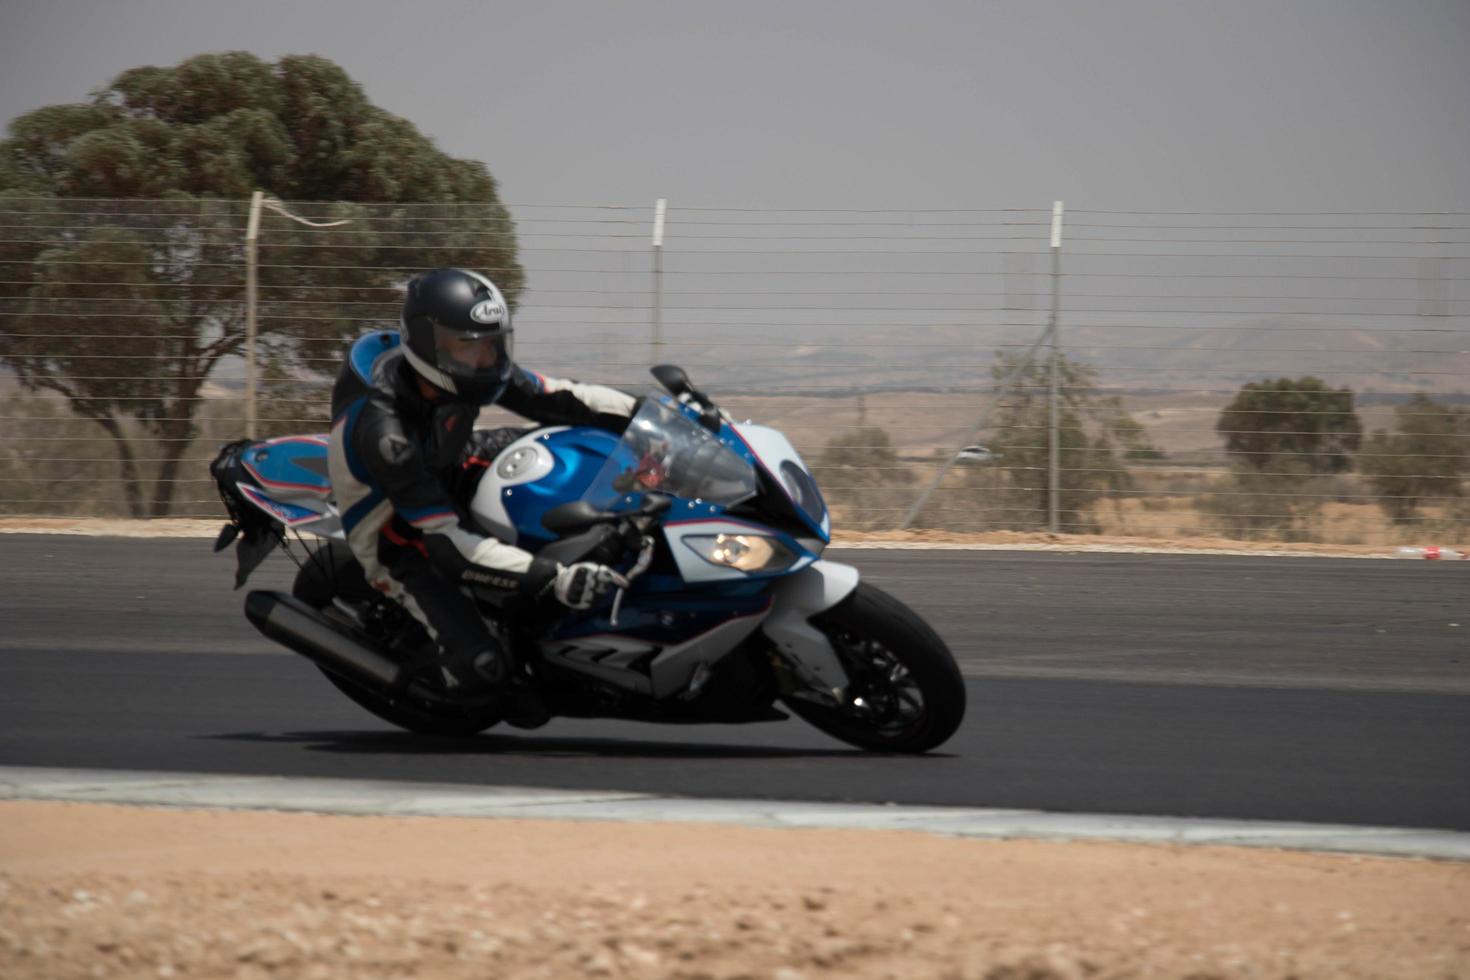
column 905, row 691
column 332, row 575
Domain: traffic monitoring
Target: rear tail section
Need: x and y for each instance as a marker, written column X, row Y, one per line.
column 268, row 486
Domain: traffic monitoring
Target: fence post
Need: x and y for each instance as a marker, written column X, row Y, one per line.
column 1054, row 447
column 252, row 232
column 658, row 280
column 258, row 200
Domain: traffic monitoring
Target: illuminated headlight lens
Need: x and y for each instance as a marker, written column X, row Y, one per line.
column 745, row 552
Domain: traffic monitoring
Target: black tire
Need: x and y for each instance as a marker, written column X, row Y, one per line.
column 876, row 636
column 332, row 574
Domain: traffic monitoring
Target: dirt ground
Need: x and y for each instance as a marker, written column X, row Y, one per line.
column 103, row 891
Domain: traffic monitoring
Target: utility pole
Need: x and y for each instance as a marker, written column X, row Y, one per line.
column 252, row 232
column 258, row 200
column 658, row 280
column 1054, row 447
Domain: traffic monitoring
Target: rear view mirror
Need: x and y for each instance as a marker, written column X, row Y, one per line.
column 673, row 378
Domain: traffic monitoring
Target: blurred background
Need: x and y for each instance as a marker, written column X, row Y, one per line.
column 1258, row 293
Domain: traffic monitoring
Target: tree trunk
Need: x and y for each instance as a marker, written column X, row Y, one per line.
column 132, row 489
column 176, row 434
column 176, row 440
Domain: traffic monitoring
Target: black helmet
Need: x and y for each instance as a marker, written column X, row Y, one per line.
column 457, row 334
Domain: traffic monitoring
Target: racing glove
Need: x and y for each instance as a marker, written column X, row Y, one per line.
column 579, row 586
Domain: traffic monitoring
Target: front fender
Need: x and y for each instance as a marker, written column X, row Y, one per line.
column 796, row 599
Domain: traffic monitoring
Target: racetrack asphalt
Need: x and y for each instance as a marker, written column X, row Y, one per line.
column 1325, row 690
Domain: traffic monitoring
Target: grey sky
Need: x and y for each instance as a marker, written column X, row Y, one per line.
column 1313, row 104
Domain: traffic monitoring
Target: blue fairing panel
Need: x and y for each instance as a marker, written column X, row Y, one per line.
column 579, row 454
column 290, row 465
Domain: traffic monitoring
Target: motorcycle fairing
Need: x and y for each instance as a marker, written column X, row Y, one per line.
column 292, row 467
column 287, row 479
column 694, row 569
column 773, row 453
column 527, row 460
column 798, row 598
column 290, row 515
column 566, row 462
column 659, row 651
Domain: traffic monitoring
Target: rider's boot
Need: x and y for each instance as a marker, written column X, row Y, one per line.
column 489, row 678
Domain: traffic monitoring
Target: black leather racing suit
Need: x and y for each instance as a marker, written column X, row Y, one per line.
column 394, row 456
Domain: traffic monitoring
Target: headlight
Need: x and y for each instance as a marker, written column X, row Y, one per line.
column 746, row 552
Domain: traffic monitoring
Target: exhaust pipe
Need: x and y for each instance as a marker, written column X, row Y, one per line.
column 300, row 628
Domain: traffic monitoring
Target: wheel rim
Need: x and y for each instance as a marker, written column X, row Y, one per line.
column 883, row 692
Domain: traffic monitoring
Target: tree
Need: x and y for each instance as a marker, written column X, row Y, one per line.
column 1425, row 457
column 1012, row 490
column 861, row 472
column 1284, row 437
column 1270, row 425
column 127, row 301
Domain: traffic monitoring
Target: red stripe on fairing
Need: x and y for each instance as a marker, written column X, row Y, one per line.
column 268, row 505
column 718, row 520
column 287, row 484
column 780, row 482
column 764, row 465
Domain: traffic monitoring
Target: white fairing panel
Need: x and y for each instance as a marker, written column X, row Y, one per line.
column 312, row 514
column 797, row 598
column 772, row 448
column 610, row 656
column 524, row 461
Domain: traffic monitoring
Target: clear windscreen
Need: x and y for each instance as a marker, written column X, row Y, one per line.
column 663, row 450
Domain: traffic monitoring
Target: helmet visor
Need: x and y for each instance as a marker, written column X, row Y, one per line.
column 473, row 355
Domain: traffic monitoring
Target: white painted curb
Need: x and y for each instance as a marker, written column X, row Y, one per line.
column 365, row 797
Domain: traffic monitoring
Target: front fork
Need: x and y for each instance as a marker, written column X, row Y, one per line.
column 803, row 647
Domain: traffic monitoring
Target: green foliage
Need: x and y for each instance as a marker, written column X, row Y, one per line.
column 1426, row 457
column 859, row 470
column 1270, row 424
column 1274, row 505
column 1090, row 429
column 1128, row 432
column 127, row 308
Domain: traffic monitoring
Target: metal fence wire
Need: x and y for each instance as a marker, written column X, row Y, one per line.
column 903, row 351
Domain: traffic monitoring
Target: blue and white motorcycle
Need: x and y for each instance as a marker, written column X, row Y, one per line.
column 730, row 609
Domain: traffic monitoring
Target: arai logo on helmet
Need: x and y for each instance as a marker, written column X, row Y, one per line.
column 488, row 311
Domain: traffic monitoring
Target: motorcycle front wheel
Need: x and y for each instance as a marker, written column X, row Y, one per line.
column 905, row 692
column 331, row 581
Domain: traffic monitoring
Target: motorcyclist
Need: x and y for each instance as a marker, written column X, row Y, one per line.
column 403, row 412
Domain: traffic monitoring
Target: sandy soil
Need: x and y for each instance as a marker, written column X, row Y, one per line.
column 104, row 891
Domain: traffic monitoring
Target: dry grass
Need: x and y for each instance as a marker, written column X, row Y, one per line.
column 58, row 465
